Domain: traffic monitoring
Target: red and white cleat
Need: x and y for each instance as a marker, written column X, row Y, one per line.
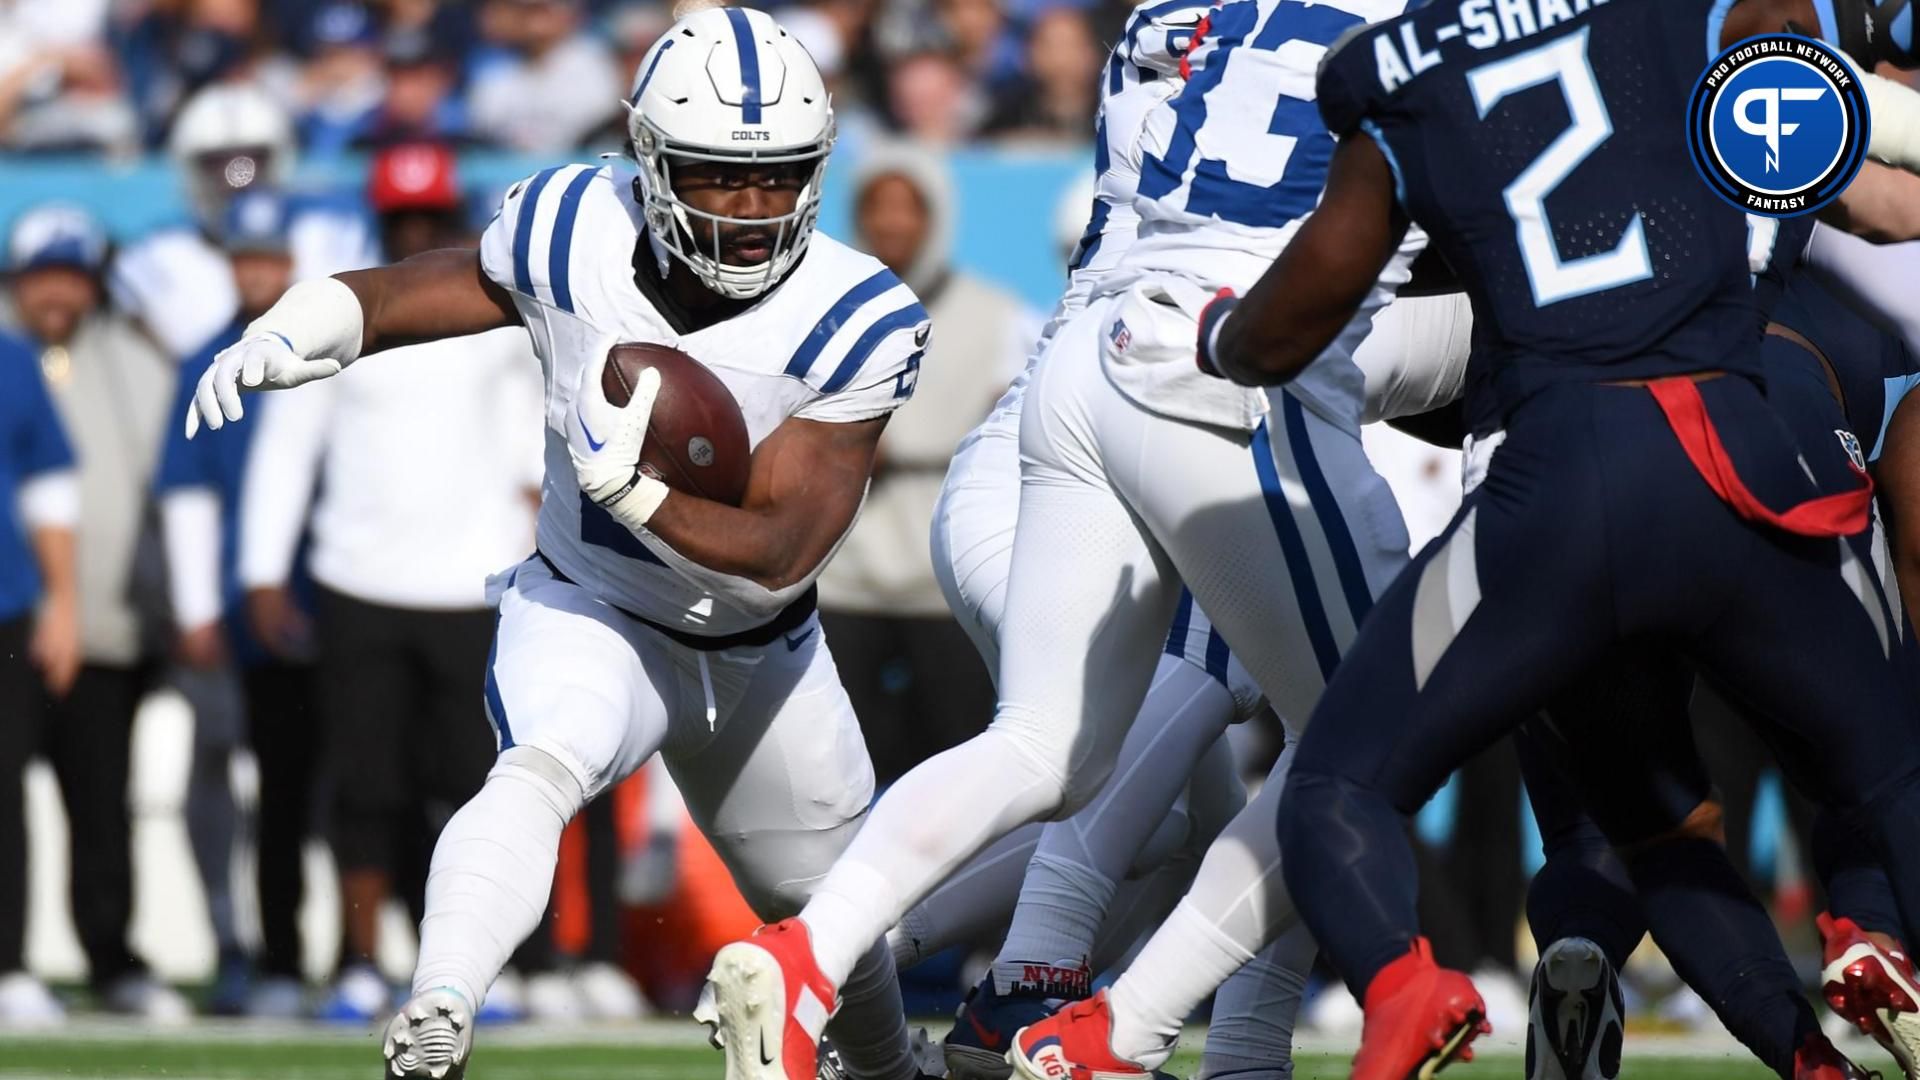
column 1420, row 1019
column 766, row 1003
column 1819, row 1059
column 1872, row 988
column 1075, row 1043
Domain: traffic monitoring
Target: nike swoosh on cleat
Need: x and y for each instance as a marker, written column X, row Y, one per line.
column 592, row 443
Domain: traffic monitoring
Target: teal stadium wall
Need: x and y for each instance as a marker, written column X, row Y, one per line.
column 1006, row 217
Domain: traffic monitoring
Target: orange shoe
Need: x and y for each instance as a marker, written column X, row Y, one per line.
column 1818, row 1059
column 1075, row 1043
column 1420, row 1019
column 1872, row 988
column 767, row 1002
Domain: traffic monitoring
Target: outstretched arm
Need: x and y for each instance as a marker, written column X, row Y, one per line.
column 319, row 327
column 1303, row 301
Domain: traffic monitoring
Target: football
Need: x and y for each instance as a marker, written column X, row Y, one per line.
column 696, row 438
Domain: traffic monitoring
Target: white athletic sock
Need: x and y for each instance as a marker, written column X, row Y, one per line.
column 1062, row 904
column 870, row 1029
column 492, row 872
column 1181, row 964
column 945, row 810
column 1238, row 904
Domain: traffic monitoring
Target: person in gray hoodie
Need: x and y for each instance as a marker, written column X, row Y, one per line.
column 916, row 681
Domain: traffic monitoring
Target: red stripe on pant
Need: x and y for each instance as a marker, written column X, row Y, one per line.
column 1842, row 514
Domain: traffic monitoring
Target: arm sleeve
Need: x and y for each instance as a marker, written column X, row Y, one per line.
column 879, row 373
column 1876, row 280
column 190, row 529
column 50, row 500
column 283, row 465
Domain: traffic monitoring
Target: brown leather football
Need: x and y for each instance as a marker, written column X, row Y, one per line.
column 696, row 438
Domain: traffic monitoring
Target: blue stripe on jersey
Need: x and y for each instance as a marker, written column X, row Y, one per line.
column 749, row 65
column 1182, row 622
column 1393, row 161
column 1717, row 24
column 560, row 244
column 523, row 231
column 911, row 315
column 648, row 77
column 1896, row 391
column 1306, row 592
column 1902, row 30
column 1116, row 77
column 1089, row 244
column 837, row 315
column 497, row 708
column 1217, row 656
column 598, row 528
column 1346, row 557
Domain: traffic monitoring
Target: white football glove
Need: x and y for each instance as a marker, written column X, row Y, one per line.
column 604, row 442
column 257, row 362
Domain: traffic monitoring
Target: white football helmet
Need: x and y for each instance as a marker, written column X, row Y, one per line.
column 1158, row 34
column 727, row 85
column 227, row 137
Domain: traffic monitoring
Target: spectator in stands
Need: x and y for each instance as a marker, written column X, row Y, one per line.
column 59, row 86
column 343, row 83
column 552, row 85
column 176, row 280
column 931, row 99
column 39, row 636
column 420, row 104
column 916, row 682
column 111, row 387
column 403, row 624
column 1057, row 95
column 199, row 491
column 986, row 44
column 173, row 49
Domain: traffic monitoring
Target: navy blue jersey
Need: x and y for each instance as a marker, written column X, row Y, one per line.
column 1776, row 247
column 1541, row 144
column 1874, row 369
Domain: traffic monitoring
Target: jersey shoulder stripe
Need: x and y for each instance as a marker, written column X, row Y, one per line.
column 901, row 319
column 553, row 195
column 560, row 250
column 837, row 316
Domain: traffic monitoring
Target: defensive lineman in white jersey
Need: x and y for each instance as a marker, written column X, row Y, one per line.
column 651, row 620
column 1135, row 475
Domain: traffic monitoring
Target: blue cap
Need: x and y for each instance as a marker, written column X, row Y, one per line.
column 257, row 220
column 56, row 234
column 344, row 24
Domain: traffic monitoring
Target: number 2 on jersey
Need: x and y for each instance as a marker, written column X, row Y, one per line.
column 1555, row 279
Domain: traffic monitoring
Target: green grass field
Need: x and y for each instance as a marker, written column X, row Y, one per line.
column 108, row 1055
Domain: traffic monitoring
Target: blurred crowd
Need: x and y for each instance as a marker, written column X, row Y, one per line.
column 539, row 76
column 332, row 625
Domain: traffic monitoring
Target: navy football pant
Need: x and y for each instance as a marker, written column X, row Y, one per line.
column 1592, row 532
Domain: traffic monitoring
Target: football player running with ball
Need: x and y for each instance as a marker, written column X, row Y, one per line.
column 650, row 620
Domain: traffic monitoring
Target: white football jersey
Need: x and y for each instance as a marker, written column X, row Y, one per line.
column 1229, row 170
column 839, row 341
column 1110, row 229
